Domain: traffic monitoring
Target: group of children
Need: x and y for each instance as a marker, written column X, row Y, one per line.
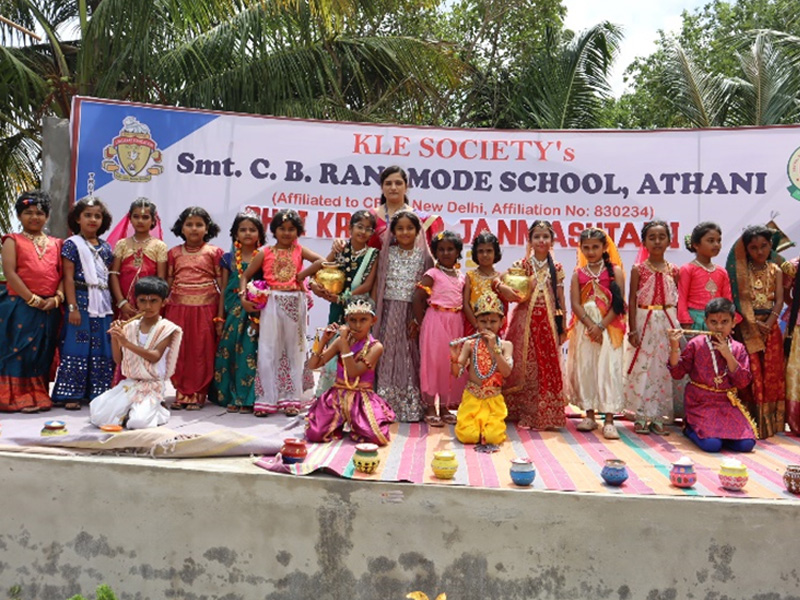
column 231, row 327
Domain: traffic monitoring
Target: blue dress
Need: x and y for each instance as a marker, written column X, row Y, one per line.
column 87, row 364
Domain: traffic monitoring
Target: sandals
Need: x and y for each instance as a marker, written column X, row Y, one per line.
column 72, row 406
column 640, row 427
column 245, row 410
column 434, row 421
column 610, row 432
column 586, row 424
column 260, row 413
column 192, row 406
column 233, row 409
column 658, row 428
column 449, row 418
column 176, row 406
column 29, row 410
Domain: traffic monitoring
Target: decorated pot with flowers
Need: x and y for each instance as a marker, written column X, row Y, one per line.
column 682, row 474
column 257, row 292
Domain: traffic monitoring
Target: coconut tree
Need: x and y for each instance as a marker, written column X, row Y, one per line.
column 565, row 85
column 306, row 58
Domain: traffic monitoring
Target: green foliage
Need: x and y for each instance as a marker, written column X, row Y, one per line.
column 732, row 63
column 103, row 592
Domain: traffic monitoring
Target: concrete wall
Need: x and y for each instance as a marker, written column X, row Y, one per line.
column 225, row 529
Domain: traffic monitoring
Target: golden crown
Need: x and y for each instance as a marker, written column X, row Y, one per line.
column 359, row 307
column 488, row 303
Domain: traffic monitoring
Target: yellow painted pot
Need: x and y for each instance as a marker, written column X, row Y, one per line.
column 444, row 464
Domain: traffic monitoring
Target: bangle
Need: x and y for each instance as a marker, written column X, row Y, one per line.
column 34, row 300
column 122, row 303
column 601, row 326
column 56, row 301
column 346, row 355
column 218, row 320
column 60, row 295
column 415, row 322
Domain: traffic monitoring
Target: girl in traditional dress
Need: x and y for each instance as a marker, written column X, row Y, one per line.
column 147, row 350
column 194, row 276
column 594, row 362
column 29, row 315
column 282, row 327
column 351, row 403
column 394, row 198
column 442, row 321
column 402, row 262
column 717, row 366
column 534, row 392
column 653, row 311
column 757, row 284
column 486, row 254
column 701, row 280
column 357, row 261
column 87, row 365
column 137, row 256
column 791, row 287
column 237, row 353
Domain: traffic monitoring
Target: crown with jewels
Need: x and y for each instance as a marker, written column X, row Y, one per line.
column 359, row 306
column 488, row 303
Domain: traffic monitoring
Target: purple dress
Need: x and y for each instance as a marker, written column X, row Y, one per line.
column 351, row 406
column 711, row 414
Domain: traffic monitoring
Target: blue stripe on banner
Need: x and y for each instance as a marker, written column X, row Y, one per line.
column 101, row 122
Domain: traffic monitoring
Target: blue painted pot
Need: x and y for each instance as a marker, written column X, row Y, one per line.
column 522, row 471
column 614, row 472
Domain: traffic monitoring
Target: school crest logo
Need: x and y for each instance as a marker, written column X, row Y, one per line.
column 793, row 170
column 133, row 155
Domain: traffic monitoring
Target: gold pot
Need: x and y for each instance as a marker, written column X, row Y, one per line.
column 331, row 277
column 518, row 280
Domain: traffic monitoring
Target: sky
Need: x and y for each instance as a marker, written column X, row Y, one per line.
column 640, row 20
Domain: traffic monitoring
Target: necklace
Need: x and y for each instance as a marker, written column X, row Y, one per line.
column 653, row 268
column 476, row 367
column 238, row 257
column 592, row 274
column 718, row 377
column 355, row 254
column 192, row 249
column 448, row 270
column 39, row 243
column 538, row 264
column 760, row 284
column 709, row 269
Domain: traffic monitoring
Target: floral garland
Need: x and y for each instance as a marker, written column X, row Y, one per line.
column 252, row 329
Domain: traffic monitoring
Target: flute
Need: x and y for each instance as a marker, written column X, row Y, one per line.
column 464, row 339
column 132, row 319
column 698, row 332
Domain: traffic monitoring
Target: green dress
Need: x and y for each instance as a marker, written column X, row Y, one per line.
column 236, row 359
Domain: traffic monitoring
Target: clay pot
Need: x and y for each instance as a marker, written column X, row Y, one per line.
column 733, row 477
column 331, row 277
column 791, row 478
column 366, row 458
column 444, row 464
column 54, row 428
column 518, row 280
column 293, row 451
column 522, row 471
column 614, row 472
column 683, row 475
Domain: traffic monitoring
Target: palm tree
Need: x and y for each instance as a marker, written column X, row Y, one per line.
column 767, row 93
column 565, row 85
column 303, row 58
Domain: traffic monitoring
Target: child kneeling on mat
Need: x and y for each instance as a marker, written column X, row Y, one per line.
column 487, row 360
column 717, row 367
column 147, row 346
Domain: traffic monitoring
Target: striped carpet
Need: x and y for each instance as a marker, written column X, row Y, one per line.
column 566, row 460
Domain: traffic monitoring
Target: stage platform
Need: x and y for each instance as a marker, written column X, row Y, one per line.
column 227, row 528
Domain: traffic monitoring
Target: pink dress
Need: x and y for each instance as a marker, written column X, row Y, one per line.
column 443, row 323
column 696, row 287
column 351, row 405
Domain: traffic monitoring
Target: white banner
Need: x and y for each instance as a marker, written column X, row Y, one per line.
column 474, row 179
